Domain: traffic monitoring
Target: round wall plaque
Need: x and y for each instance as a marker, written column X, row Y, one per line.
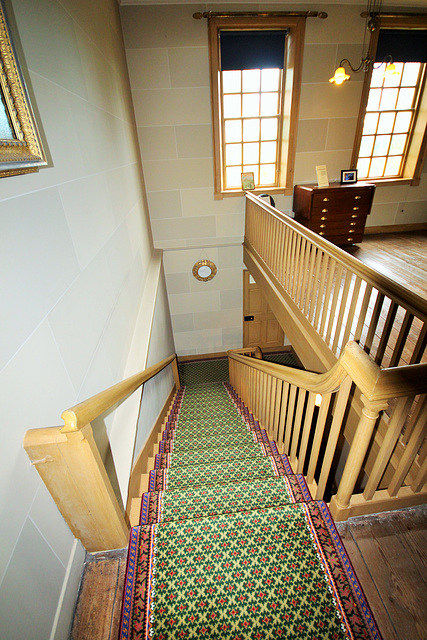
column 204, row 270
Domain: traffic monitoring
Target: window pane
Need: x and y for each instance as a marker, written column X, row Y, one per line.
column 392, row 167
column 381, row 145
column 388, row 99
column 373, row 100
column 366, row 146
column 233, row 177
column 370, row 124
column 233, row 154
column 363, row 167
column 231, row 81
column 397, row 144
column 232, row 106
column 410, row 74
column 251, row 153
column 403, row 122
column 392, row 79
column 269, row 128
column 406, row 98
column 250, row 105
column 270, row 79
column 386, row 123
column 377, row 167
column 268, row 174
column 255, row 170
column 269, row 104
column 377, row 76
column 268, row 152
column 233, row 130
column 251, row 80
column 250, row 130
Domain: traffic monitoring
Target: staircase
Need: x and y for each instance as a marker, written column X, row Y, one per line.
column 230, row 543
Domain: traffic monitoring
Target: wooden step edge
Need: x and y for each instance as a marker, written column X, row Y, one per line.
column 135, row 510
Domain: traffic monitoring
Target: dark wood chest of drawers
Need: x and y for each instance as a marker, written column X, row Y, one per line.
column 338, row 212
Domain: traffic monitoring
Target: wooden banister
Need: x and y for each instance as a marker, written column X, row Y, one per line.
column 79, row 415
column 71, row 467
column 283, row 399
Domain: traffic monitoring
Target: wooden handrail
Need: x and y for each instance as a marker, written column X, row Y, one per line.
column 375, row 383
column 81, row 414
column 411, row 301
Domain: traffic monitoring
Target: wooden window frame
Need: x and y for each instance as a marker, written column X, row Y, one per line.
column 294, row 49
column 416, row 152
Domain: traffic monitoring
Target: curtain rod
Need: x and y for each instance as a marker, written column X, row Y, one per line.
column 263, row 14
column 365, row 14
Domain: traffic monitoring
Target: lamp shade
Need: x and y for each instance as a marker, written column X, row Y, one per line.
column 340, row 76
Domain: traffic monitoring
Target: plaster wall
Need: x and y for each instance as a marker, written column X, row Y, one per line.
column 75, row 249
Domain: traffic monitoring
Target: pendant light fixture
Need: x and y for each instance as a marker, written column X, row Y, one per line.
column 373, row 11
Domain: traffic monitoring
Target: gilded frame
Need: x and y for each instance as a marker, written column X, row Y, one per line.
column 21, row 150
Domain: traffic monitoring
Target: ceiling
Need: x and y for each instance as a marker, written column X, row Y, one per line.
column 314, row 4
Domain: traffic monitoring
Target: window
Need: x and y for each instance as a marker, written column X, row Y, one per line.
column 390, row 143
column 255, row 77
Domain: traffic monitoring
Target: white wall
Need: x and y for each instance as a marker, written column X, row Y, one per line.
column 75, row 248
column 167, row 54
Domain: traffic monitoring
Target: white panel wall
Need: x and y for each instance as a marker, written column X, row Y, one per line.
column 75, row 248
column 167, row 54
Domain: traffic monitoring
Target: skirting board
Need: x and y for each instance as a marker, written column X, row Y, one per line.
column 396, row 228
column 67, row 598
column 141, row 463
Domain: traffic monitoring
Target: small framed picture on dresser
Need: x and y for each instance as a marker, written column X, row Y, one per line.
column 348, row 176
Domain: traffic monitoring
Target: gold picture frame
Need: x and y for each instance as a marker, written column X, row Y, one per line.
column 204, row 270
column 21, row 150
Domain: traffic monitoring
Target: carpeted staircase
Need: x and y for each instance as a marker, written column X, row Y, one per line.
column 231, row 544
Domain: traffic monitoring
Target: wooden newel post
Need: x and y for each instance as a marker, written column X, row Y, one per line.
column 340, row 503
column 72, row 469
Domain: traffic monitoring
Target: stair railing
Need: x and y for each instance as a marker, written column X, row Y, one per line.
column 70, row 465
column 305, row 413
column 329, row 294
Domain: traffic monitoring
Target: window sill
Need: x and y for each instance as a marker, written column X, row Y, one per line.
column 388, row 182
column 257, row 192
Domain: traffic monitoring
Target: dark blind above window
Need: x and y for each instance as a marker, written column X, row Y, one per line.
column 252, row 50
column 404, row 45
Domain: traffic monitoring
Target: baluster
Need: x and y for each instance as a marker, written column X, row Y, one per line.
column 401, row 339
column 308, row 422
column 411, row 450
column 337, row 285
column 352, row 310
column 336, row 345
column 391, row 315
column 393, row 432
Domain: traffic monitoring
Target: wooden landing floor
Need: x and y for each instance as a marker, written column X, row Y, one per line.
column 402, row 257
column 388, row 552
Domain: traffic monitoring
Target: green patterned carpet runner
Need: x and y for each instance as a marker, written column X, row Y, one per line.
column 231, row 545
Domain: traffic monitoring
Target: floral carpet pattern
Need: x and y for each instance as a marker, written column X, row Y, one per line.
column 231, row 545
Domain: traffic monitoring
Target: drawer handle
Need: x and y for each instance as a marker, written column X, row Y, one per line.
column 325, row 199
column 354, row 215
column 323, row 226
column 351, row 231
column 323, row 218
column 357, row 197
column 349, row 239
column 325, row 210
column 353, row 223
column 355, row 208
column 321, row 233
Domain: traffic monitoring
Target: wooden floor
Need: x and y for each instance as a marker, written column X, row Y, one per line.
column 387, row 551
column 402, row 257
